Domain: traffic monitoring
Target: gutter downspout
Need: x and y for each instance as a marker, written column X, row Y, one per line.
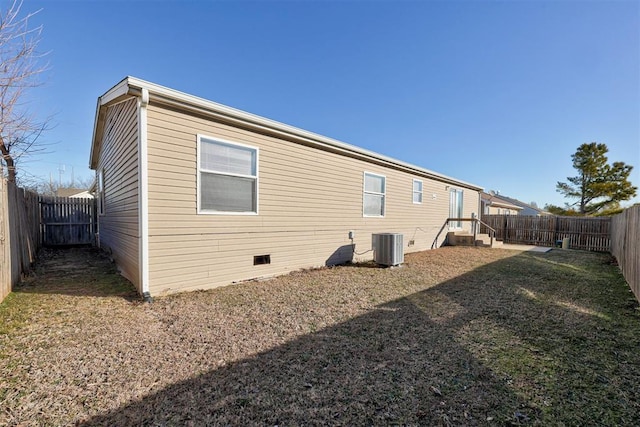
column 143, row 195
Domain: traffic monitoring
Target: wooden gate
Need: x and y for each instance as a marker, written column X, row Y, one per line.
column 67, row 221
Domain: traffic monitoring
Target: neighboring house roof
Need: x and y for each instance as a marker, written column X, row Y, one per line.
column 83, row 195
column 73, row 192
column 150, row 92
column 527, row 209
column 498, row 202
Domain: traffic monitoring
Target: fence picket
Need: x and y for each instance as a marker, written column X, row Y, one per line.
column 19, row 233
column 587, row 233
column 67, row 221
column 625, row 245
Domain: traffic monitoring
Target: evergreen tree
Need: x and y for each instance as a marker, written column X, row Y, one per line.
column 599, row 185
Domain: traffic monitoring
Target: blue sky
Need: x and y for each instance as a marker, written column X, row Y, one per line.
column 499, row 94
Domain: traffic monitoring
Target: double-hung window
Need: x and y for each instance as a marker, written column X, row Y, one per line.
column 227, row 177
column 417, row 191
column 374, row 194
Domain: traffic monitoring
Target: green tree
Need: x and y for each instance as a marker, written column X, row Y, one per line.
column 599, row 186
column 558, row 210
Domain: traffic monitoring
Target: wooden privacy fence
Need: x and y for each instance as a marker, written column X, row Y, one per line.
column 67, row 221
column 625, row 245
column 19, row 233
column 586, row 233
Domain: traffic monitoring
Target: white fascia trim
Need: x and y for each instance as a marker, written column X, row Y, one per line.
column 505, row 205
column 118, row 92
column 184, row 99
column 96, row 120
column 143, row 191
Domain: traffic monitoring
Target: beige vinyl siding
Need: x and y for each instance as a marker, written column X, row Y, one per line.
column 497, row 209
column 309, row 199
column 118, row 226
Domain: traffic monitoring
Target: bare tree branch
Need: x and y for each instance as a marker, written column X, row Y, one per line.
column 20, row 70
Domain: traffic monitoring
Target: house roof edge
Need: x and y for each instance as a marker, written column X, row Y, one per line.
column 167, row 95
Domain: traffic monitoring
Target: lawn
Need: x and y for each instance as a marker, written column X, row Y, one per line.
column 457, row 336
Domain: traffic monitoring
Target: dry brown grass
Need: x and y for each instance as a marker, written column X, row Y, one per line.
column 458, row 336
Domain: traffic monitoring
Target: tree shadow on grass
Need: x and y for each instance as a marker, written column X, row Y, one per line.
column 505, row 344
column 76, row 271
column 375, row 369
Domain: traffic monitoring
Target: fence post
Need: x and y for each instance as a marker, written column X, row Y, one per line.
column 5, row 253
column 474, row 226
column 504, row 230
column 588, row 233
column 95, row 220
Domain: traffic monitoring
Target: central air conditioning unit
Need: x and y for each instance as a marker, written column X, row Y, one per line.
column 388, row 248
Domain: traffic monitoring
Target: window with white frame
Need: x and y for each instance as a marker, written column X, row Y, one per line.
column 417, row 191
column 374, row 194
column 456, row 199
column 227, row 177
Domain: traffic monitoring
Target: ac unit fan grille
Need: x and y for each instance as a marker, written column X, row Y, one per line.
column 388, row 248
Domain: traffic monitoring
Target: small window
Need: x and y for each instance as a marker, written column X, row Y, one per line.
column 374, row 195
column 417, row 191
column 100, row 192
column 227, row 177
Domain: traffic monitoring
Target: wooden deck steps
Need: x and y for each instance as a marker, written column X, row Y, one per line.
column 461, row 238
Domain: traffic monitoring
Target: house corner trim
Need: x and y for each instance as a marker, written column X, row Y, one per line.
column 143, row 192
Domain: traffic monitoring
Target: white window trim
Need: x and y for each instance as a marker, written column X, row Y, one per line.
column 414, row 192
column 456, row 226
column 198, row 170
column 384, row 195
